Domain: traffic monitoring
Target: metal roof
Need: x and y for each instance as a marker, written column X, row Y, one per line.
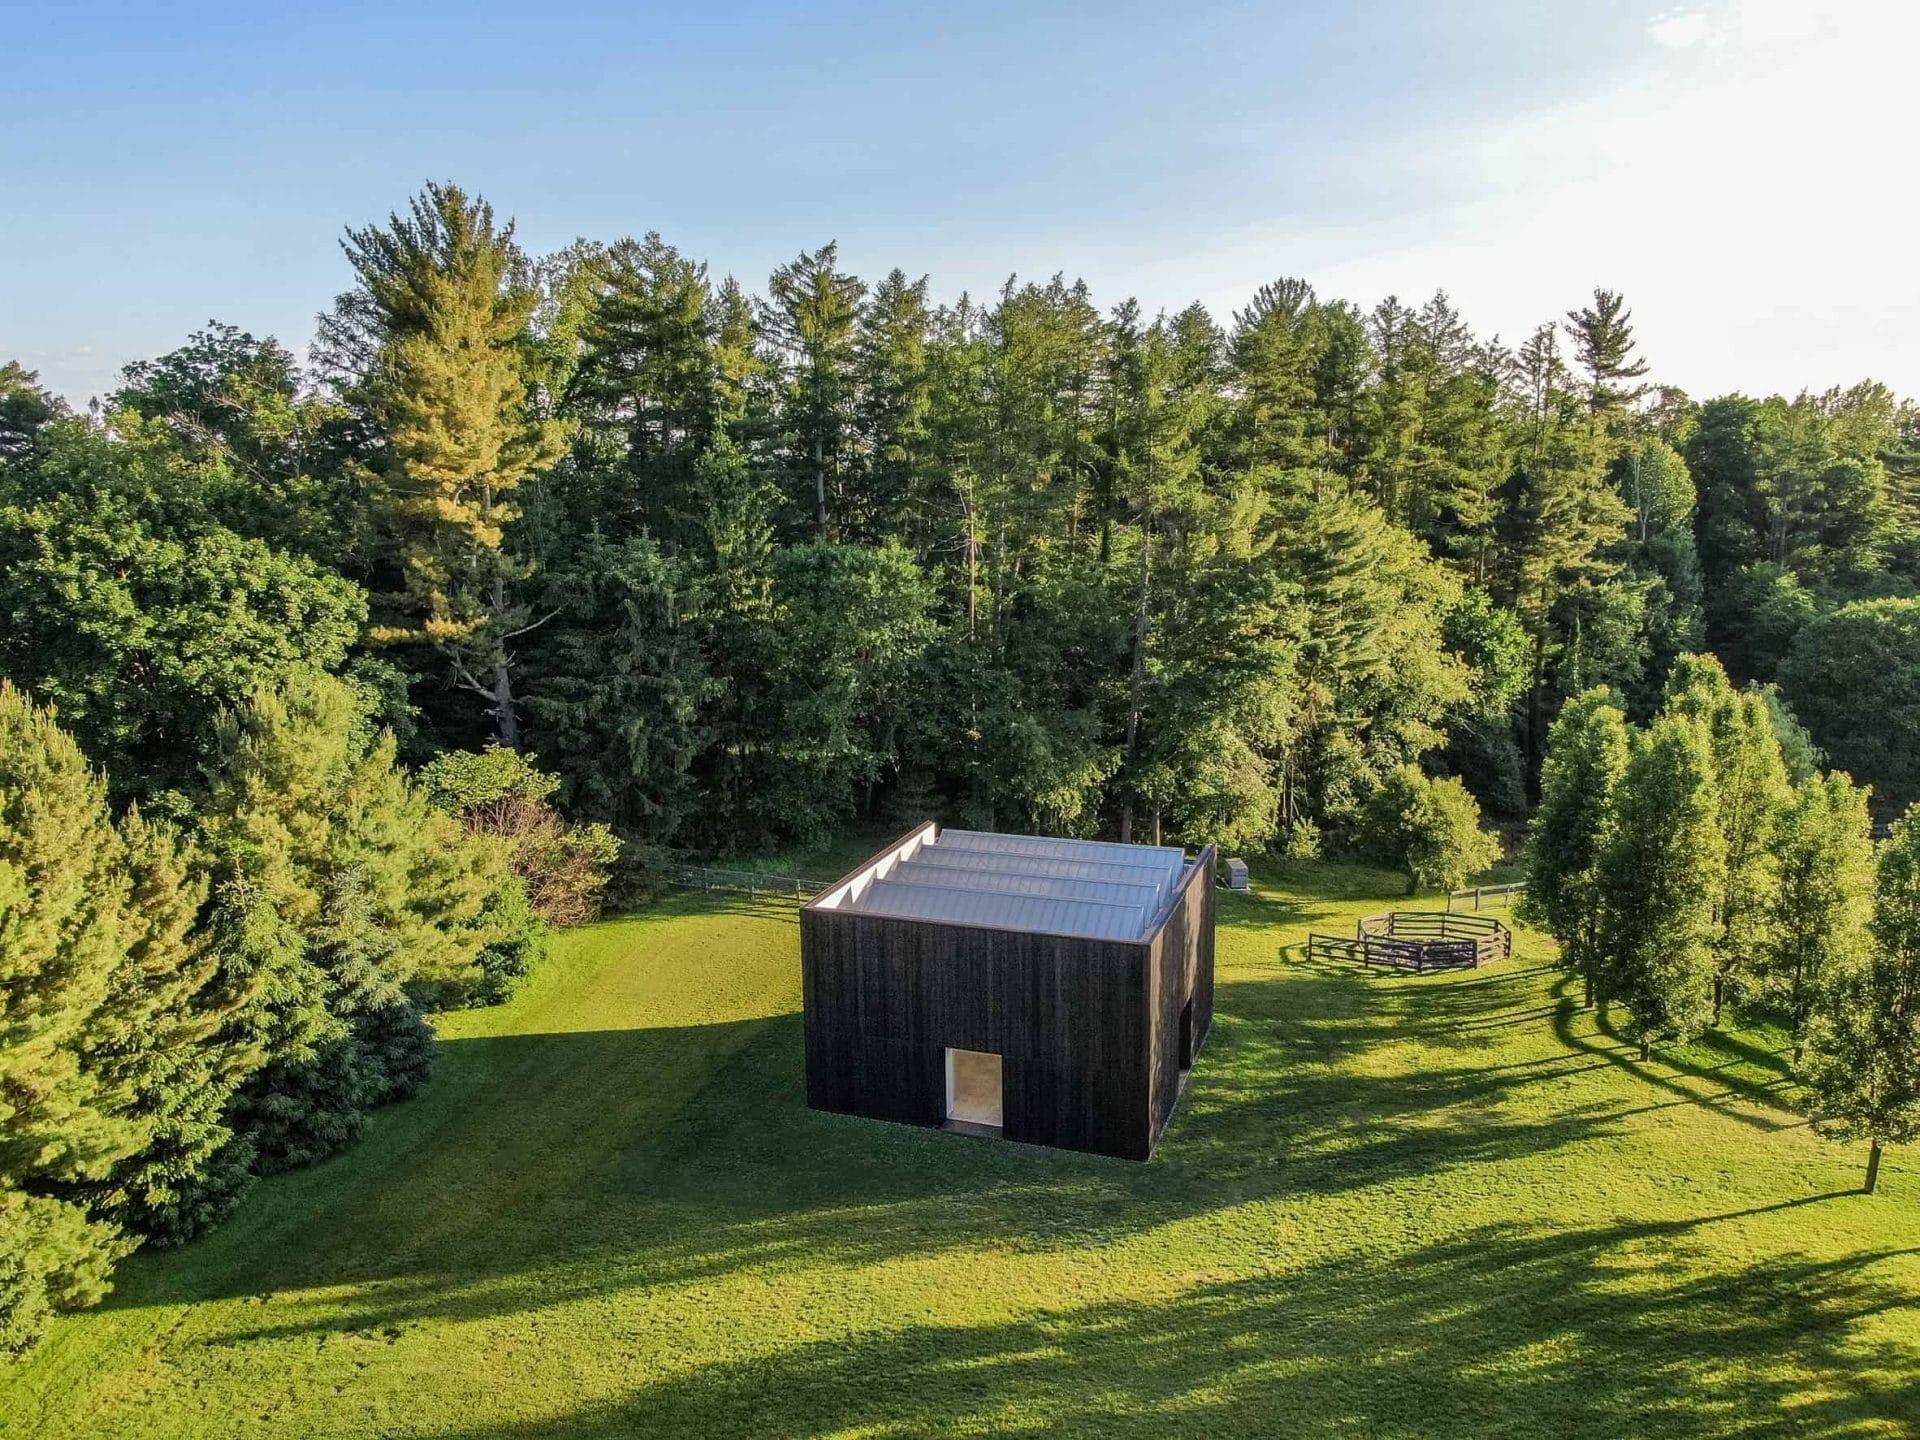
column 1145, row 894
column 953, row 870
column 1088, row 888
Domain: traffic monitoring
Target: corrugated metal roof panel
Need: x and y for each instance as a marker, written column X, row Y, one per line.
column 1092, row 919
column 1155, row 872
column 1107, row 850
column 1145, row 895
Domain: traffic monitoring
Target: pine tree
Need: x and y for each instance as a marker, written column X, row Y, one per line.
column 1863, row 1063
column 810, row 318
column 648, row 382
column 157, row 1040
column 890, row 410
column 336, row 884
column 1823, row 850
column 62, row 1121
column 1657, row 877
column 437, row 333
column 1157, row 416
column 1572, row 828
column 1603, row 345
column 1561, row 524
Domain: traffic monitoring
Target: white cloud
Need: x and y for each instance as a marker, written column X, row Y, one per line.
column 1681, row 31
column 1745, row 195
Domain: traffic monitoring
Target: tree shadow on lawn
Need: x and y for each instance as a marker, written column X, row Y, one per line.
column 1747, row 1072
column 597, row 1166
column 1498, row 1332
column 592, row 1184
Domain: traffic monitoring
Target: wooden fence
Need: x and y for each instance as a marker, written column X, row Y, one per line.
column 1476, row 897
column 1418, row 940
column 747, row 882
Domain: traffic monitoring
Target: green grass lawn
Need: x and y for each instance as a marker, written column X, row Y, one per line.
column 1445, row 1205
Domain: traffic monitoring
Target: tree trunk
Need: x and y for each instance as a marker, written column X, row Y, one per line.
column 1137, row 682
column 1719, row 995
column 1799, row 1009
column 820, row 484
column 505, row 717
column 1588, row 977
column 1646, row 1048
column 1873, row 1168
column 1536, row 696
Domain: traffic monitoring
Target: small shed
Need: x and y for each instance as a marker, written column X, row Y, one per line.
column 1049, row 990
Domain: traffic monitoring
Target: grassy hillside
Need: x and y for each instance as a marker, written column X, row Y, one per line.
column 1389, row 1205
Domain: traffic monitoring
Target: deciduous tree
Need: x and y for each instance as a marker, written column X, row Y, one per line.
column 1863, row 1070
column 1573, row 827
column 1657, row 876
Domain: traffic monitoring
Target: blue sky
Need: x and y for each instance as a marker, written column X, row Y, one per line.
column 1730, row 164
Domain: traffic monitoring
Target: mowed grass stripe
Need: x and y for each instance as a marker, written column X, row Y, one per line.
column 1389, row 1205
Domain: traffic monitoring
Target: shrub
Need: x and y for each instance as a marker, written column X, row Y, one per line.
column 500, row 792
column 1429, row 828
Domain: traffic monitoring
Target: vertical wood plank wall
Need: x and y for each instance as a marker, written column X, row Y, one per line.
column 1181, row 969
column 1084, row 1027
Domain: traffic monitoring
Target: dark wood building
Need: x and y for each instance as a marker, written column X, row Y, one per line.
column 1054, row 990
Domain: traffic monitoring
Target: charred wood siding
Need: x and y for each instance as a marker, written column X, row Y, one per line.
column 886, row 997
column 1087, row 1029
column 1182, row 968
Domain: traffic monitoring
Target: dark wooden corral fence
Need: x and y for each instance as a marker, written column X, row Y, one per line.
column 1418, row 940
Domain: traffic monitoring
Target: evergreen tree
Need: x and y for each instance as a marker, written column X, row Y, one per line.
column 890, row 415
column 1720, row 456
column 1603, row 345
column 1159, row 410
column 1657, row 875
column 1580, row 780
column 622, row 698
column 436, row 339
column 648, row 386
column 157, row 1040
column 810, row 319
column 1863, row 1071
column 1562, row 521
column 62, row 1121
column 336, row 885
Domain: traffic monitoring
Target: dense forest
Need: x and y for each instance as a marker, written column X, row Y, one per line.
column 304, row 664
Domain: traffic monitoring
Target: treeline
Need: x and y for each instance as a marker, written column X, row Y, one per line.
column 741, row 569
column 1698, row 863
column 719, row 570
